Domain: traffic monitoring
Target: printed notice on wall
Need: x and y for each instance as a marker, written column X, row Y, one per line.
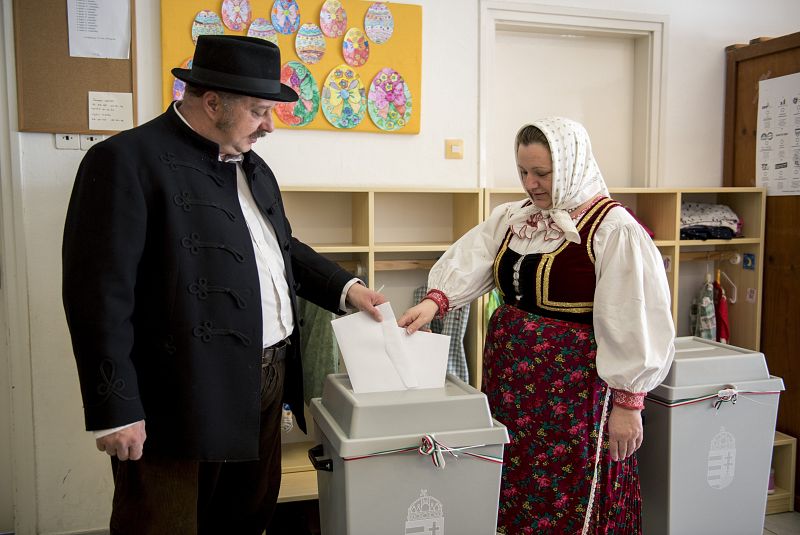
column 99, row 28
column 778, row 135
column 110, row 111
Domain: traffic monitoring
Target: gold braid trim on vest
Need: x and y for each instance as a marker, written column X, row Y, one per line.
column 594, row 216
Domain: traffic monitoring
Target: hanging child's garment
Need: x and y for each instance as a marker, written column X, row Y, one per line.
column 453, row 325
column 320, row 353
column 721, row 313
column 493, row 301
column 702, row 317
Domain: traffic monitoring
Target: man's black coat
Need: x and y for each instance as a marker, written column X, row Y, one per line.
column 161, row 290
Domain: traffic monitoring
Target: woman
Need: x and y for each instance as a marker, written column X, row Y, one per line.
column 584, row 331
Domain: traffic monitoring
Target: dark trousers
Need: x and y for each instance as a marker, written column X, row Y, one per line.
column 155, row 495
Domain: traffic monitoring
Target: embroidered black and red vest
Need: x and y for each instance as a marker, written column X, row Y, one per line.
column 557, row 285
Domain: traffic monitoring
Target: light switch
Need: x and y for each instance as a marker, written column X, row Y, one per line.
column 454, row 149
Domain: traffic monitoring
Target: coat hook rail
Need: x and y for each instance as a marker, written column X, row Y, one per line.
column 712, row 256
column 403, row 265
column 387, row 265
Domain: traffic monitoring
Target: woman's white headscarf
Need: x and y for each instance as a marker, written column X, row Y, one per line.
column 576, row 179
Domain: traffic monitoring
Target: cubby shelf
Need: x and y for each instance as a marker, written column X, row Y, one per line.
column 299, row 479
column 784, row 453
column 392, row 234
column 391, row 237
column 660, row 210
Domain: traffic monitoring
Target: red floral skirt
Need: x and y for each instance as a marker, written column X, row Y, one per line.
column 540, row 377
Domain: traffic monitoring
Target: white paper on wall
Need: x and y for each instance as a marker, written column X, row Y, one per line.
column 778, row 135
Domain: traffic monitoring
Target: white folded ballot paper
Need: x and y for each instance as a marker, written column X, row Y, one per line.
column 382, row 357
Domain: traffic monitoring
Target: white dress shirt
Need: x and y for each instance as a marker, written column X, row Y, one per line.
column 276, row 306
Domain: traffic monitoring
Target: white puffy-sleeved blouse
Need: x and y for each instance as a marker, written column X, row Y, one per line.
column 632, row 319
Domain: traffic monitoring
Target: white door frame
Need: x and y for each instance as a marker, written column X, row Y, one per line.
column 648, row 33
column 15, row 290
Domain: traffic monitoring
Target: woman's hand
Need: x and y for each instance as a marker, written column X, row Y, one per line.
column 625, row 433
column 417, row 316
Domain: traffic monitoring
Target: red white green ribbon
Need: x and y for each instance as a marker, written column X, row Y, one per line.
column 431, row 447
column 726, row 395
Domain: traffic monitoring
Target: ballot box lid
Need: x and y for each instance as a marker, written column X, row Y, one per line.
column 452, row 410
column 703, row 367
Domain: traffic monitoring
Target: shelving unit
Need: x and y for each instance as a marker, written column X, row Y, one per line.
column 687, row 261
column 745, row 315
column 784, row 453
column 391, row 238
column 298, row 479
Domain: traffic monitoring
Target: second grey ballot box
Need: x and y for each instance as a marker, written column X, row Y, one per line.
column 708, row 434
column 424, row 461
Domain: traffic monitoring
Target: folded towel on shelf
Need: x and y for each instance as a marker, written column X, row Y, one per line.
column 699, row 214
column 703, row 232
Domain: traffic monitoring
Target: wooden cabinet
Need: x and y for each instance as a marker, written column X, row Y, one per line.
column 746, row 275
column 298, row 479
column 688, row 261
column 747, row 65
column 784, row 453
column 391, row 238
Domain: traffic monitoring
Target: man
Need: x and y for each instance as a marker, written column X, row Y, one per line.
column 180, row 284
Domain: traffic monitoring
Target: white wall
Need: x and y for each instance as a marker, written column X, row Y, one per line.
column 6, row 482
column 587, row 78
column 72, row 483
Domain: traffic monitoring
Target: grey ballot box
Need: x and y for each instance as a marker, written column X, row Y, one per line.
column 704, row 464
column 372, row 478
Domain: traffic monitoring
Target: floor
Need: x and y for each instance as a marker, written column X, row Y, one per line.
column 782, row 524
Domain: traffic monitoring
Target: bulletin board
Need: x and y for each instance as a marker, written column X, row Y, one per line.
column 53, row 87
column 402, row 53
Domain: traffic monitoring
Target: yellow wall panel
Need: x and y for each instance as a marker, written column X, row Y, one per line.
column 402, row 52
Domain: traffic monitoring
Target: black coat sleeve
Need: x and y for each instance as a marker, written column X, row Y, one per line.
column 318, row 279
column 104, row 237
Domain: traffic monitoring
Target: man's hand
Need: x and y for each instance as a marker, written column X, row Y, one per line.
column 364, row 299
column 418, row 316
column 126, row 443
column 625, row 433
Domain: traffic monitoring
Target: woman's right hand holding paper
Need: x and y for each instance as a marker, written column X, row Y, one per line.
column 418, row 316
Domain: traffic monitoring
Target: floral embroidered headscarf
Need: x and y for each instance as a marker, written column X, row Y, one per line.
column 576, row 178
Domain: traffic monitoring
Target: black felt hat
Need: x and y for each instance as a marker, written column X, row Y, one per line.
column 238, row 64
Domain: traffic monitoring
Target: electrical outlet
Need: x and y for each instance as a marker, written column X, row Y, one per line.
column 87, row 140
column 67, row 141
